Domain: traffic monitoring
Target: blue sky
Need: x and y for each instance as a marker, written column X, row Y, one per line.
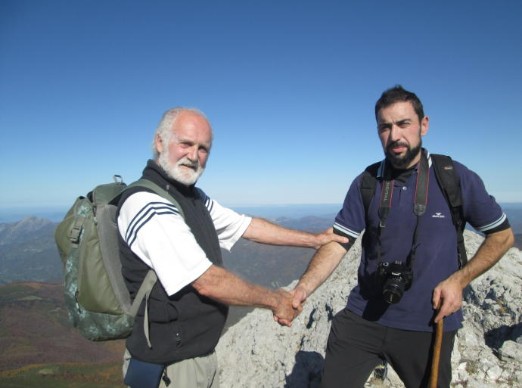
column 289, row 87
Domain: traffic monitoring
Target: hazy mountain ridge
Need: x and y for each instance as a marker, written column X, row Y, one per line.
column 28, row 251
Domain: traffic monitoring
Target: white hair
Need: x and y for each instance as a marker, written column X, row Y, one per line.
column 164, row 128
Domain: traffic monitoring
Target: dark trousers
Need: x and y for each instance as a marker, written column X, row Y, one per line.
column 356, row 346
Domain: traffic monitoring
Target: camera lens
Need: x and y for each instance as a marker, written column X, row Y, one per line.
column 394, row 277
column 393, row 290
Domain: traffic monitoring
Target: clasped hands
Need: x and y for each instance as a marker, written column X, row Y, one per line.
column 290, row 305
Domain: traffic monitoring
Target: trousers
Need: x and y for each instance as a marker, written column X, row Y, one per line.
column 356, row 346
column 197, row 372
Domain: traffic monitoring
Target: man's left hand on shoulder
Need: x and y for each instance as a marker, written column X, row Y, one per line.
column 328, row 236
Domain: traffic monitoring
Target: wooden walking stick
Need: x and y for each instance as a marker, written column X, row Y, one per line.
column 434, row 378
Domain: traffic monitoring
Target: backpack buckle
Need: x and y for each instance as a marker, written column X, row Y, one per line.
column 76, row 232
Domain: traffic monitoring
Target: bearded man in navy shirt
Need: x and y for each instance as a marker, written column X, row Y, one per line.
column 388, row 317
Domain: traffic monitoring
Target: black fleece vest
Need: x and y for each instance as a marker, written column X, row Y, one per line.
column 186, row 324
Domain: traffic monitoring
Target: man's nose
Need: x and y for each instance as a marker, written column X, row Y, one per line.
column 192, row 153
column 395, row 132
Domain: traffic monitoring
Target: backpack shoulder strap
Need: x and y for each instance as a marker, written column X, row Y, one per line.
column 151, row 277
column 142, row 182
column 449, row 182
column 143, row 293
column 368, row 184
column 447, row 178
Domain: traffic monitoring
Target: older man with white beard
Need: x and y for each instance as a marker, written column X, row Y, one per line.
column 188, row 308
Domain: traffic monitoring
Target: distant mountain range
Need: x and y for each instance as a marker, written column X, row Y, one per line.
column 28, row 251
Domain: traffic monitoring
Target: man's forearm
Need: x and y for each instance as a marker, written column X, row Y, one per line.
column 322, row 265
column 224, row 286
column 265, row 232
column 447, row 296
column 489, row 253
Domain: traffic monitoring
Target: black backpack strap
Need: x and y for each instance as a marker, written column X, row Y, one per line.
column 449, row 182
column 368, row 184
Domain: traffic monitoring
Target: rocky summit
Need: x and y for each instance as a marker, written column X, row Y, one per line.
column 256, row 352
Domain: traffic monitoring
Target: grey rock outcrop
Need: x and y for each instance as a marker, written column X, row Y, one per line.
column 256, row 352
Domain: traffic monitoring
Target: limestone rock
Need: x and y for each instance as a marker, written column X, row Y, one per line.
column 256, row 352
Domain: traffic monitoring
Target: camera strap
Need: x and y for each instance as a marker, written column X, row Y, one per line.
column 419, row 206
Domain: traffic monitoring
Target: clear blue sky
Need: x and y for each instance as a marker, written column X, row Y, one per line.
column 289, row 87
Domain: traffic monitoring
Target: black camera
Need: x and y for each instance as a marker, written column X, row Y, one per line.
column 395, row 277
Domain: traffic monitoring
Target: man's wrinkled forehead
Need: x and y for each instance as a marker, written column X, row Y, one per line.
column 194, row 129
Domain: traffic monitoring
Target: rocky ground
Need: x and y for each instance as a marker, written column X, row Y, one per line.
column 256, row 352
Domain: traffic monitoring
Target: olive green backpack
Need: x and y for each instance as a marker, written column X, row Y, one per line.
column 96, row 297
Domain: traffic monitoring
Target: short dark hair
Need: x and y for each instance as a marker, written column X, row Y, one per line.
column 399, row 94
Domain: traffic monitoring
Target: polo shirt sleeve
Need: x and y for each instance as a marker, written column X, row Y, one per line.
column 156, row 232
column 480, row 209
column 350, row 221
column 229, row 225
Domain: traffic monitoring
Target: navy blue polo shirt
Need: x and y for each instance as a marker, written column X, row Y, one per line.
column 436, row 253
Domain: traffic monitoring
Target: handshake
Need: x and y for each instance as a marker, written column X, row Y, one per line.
column 289, row 305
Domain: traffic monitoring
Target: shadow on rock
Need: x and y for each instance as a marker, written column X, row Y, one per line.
column 307, row 370
column 495, row 338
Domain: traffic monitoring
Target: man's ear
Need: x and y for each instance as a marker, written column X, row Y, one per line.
column 425, row 125
column 158, row 143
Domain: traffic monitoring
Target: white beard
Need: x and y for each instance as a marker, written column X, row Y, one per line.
column 184, row 171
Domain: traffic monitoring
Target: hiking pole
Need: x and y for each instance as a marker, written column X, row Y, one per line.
column 436, row 354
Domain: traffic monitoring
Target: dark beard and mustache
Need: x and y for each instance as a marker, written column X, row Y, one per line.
column 402, row 161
